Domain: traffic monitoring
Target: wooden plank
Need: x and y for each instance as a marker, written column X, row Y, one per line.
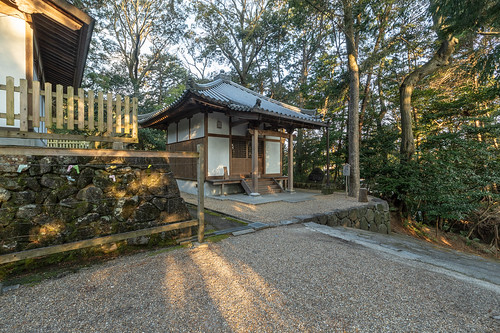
column 255, row 160
column 59, row 107
column 109, row 113
column 81, row 109
column 71, row 107
column 118, row 127
column 270, row 133
column 23, row 106
column 42, row 151
column 9, row 91
column 100, row 112
column 44, row 251
column 35, row 135
column 201, row 192
column 48, row 105
column 91, row 120
column 126, row 117
column 134, row 118
column 35, row 95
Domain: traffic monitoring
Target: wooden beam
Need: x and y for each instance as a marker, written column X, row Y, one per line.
column 201, row 191
column 255, row 160
column 270, row 133
column 42, row 7
column 44, row 251
column 290, row 162
column 42, row 151
column 35, row 135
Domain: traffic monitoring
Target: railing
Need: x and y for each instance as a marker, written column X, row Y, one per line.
column 68, row 144
column 95, row 118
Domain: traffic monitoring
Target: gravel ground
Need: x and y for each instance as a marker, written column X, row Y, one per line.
column 287, row 279
column 274, row 212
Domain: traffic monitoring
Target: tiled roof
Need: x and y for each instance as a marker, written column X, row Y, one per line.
column 224, row 92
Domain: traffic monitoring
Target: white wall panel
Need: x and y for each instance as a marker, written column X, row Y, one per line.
column 183, row 129
column 218, row 156
column 12, row 58
column 273, row 157
column 213, row 119
column 197, row 126
column 172, row 133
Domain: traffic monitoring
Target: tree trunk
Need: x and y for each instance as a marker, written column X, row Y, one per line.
column 440, row 59
column 353, row 107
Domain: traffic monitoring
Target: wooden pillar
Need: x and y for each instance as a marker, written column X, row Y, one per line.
column 255, row 160
column 201, row 192
column 328, row 153
column 290, row 161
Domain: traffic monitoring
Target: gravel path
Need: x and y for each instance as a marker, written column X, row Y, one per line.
column 287, row 279
column 274, row 212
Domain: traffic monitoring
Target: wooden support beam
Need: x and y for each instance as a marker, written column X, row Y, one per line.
column 255, row 161
column 44, row 251
column 290, row 162
column 270, row 133
column 35, row 135
column 201, row 191
column 42, row 151
column 23, row 85
column 48, row 105
column 36, row 103
column 10, row 100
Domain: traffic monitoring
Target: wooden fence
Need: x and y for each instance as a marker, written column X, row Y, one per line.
column 42, row 112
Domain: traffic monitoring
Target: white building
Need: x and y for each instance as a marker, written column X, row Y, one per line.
column 243, row 132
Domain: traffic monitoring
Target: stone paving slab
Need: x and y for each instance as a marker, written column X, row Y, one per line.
column 457, row 264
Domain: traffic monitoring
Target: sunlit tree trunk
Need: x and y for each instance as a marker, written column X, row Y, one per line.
column 353, row 127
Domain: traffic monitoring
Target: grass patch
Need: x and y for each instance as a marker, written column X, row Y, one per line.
column 216, row 238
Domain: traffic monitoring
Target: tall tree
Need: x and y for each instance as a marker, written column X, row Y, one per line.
column 235, row 30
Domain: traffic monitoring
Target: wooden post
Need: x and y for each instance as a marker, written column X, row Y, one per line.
column 118, row 128
column 81, row 109
column 201, row 192
column 328, row 154
column 100, row 112
column 48, row 105
column 9, row 91
column 59, row 107
column 35, row 95
column 290, row 161
column 255, row 161
column 71, row 107
column 126, row 116
column 109, row 113
column 134, row 117
column 23, row 116
column 91, row 110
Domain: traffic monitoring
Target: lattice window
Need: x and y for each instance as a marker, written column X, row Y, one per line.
column 239, row 148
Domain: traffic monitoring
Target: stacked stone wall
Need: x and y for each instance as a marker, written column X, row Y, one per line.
column 374, row 216
column 54, row 200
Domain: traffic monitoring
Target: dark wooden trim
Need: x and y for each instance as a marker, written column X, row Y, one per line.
column 205, row 142
column 176, row 131
column 230, row 144
column 189, row 128
column 219, row 135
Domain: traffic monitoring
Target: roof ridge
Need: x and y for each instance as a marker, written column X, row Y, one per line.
column 269, row 99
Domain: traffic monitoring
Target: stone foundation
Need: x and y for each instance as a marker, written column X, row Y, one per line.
column 373, row 216
column 54, row 200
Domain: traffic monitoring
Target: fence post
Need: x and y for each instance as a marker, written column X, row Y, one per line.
column 201, row 192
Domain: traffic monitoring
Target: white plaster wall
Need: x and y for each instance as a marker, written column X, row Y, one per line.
column 12, row 58
column 183, row 129
column 273, row 157
column 212, row 123
column 218, row 156
column 197, row 126
column 241, row 129
column 172, row 133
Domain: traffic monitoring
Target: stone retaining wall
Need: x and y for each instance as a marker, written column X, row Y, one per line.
column 373, row 216
column 54, row 200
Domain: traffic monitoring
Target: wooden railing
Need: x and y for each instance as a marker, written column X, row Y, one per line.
column 95, row 118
